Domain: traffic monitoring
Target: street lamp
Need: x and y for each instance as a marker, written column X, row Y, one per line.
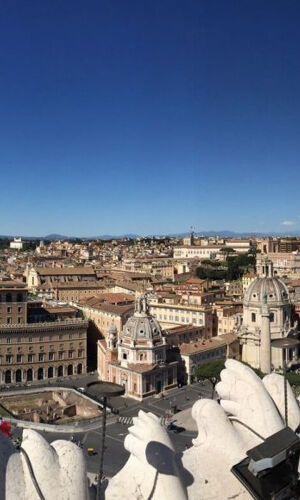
column 104, row 390
column 286, row 343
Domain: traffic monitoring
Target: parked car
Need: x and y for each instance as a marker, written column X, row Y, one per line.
column 92, row 451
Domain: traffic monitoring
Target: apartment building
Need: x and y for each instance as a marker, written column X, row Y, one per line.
column 37, row 276
column 38, row 342
column 13, row 302
column 170, row 315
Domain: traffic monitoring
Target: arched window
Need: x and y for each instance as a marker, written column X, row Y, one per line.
column 60, row 371
column 50, row 372
column 18, row 376
column 70, row 370
column 40, row 374
column 79, row 368
column 8, row 297
column 253, row 317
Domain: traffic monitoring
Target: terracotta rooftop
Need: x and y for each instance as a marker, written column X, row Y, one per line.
column 11, row 284
column 54, row 271
column 76, row 284
column 182, row 328
column 105, row 306
column 208, row 344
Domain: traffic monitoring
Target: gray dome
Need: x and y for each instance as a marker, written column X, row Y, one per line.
column 142, row 326
column 270, row 290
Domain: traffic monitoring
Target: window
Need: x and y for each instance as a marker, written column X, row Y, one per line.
column 253, row 317
column 19, row 320
column 8, row 340
column 30, row 358
column 8, row 297
column 8, row 358
column 70, row 354
column 41, row 356
column 60, row 355
column 272, row 317
column 8, row 321
column 51, row 356
column 8, row 310
column 19, row 358
column 19, row 309
column 124, row 355
column 19, row 297
column 30, row 339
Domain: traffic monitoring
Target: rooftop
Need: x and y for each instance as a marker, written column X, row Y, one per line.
column 207, row 345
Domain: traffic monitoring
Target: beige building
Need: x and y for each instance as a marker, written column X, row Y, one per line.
column 183, row 334
column 247, row 279
column 201, row 252
column 216, row 348
column 284, row 264
column 104, row 313
column 183, row 314
column 226, row 317
column 73, row 291
column 38, row 342
column 37, row 276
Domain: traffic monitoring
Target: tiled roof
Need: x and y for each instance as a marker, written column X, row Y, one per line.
column 207, row 345
column 54, row 271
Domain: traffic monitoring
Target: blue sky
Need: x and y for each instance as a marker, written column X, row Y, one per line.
column 149, row 116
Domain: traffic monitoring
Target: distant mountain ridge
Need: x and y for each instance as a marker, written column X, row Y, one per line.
column 221, row 233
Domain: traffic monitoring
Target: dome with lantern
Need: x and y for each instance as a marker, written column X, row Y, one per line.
column 142, row 325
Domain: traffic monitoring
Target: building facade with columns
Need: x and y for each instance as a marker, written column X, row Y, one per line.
column 136, row 358
column 267, row 316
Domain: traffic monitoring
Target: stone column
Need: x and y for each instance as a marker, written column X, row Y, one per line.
column 265, row 341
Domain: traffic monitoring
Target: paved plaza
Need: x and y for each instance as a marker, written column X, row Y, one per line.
column 117, row 424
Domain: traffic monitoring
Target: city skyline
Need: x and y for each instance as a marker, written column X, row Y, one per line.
column 140, row 118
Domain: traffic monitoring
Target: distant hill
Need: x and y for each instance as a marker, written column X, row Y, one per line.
column 226, row 233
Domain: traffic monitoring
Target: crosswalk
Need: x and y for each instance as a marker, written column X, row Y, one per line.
column 129, row 420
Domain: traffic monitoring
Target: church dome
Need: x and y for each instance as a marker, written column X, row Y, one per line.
column 269, row 290
column 142, row 326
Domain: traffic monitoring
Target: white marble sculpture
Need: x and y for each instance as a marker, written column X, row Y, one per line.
column 153, row 470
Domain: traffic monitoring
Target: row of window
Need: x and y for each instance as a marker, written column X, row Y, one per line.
column 183, row 319
column 8, row 321
column 208, row 355
column 8, row 309
column 45, row 338
column 31, row 358
column 8, row 297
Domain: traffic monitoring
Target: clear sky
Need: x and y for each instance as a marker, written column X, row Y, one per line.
column 149, row 116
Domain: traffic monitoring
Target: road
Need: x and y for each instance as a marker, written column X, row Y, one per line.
column 115, row 453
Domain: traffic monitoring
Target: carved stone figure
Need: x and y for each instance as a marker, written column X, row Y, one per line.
column 153, row 469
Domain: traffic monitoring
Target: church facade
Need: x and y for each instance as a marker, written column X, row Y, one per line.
column 267, row 315
column 136, row 358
